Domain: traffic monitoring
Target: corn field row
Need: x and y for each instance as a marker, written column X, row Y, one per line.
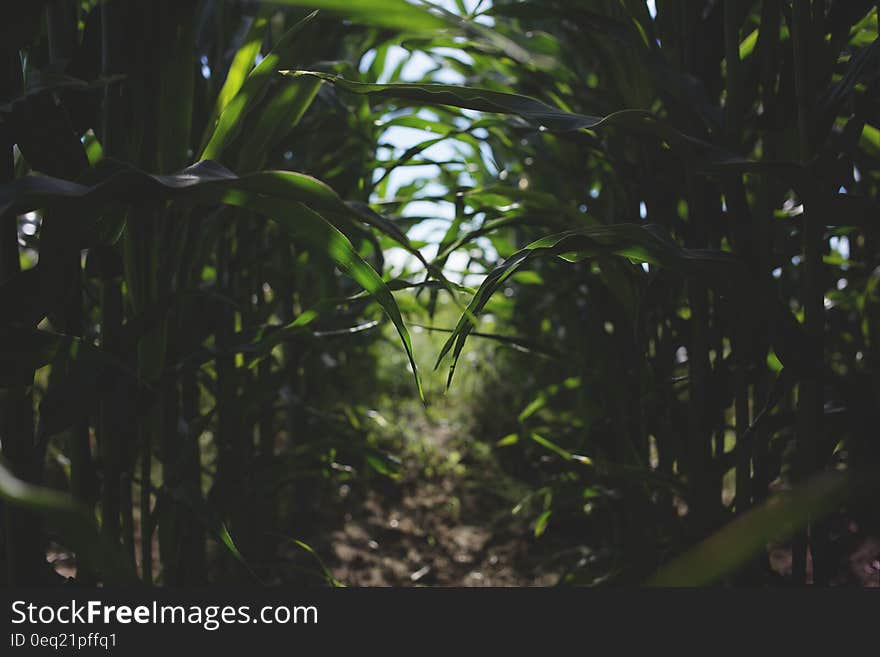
column 653, row 222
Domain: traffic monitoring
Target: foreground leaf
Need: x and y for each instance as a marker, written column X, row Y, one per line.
column 732, row 546
column 74, row 523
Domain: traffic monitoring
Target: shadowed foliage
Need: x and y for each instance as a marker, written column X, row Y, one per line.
column 642, row 234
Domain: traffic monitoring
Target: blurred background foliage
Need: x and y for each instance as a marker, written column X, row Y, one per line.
column 237, row 236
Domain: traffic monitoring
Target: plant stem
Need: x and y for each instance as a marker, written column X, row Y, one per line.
column 810, row 398
column 22, row 549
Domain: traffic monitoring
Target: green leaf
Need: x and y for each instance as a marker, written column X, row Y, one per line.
column 231, row 120
column 244, row 60
column 328, row 574
column 541, row 523
column 304, row 224
column 506, row 441
column 176, row 92
column 205, row 515
column 381, row 465
column 394, row 14
column 533, row 407
column 523, row 345
column 75, row 524
column 549, row 444
column 644, row 243
column 275, row 194
column 733, row 545
column 281, row 114
column 705, row 157
column 748, row 44
column 483, row 100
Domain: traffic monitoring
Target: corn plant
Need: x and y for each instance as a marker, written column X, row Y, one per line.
column 674, row 198
column 703, row 169
column 189, row 313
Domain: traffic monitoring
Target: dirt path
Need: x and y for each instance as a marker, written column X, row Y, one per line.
column 432, row 531
column 445, row 521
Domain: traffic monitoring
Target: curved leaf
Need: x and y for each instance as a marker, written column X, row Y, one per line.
column 484, row 100
column 705, row 157
column 308, row 226
column 733, row 545
column 230, row 121
column 279, row 195
column 395, row 14
column 637, row 242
